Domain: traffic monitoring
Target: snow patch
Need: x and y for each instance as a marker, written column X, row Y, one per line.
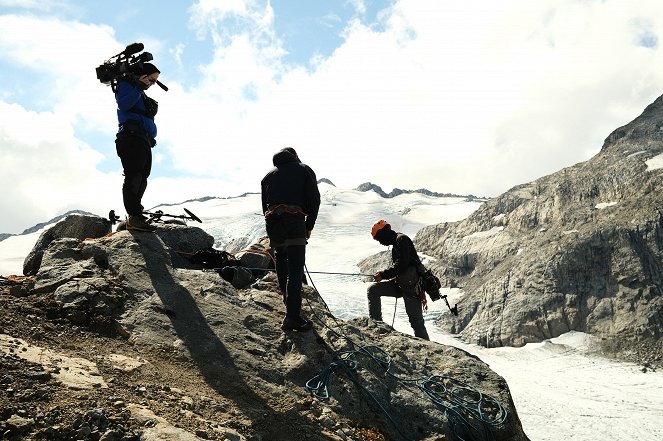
column 15, row 249
column 655, row 163
column 603, row 205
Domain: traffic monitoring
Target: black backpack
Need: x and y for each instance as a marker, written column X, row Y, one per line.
column 213, row 258
column 430, row 283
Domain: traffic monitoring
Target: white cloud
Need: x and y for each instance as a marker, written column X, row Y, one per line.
column 45, row 169
column 36, row 5
column 473, row 98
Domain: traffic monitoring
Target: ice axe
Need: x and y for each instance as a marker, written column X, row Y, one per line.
column 453, row 310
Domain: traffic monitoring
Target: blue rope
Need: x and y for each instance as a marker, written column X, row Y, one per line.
column 471, row 414
column 463, row 404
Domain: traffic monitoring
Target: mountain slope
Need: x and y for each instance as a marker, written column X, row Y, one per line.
column 580, row 249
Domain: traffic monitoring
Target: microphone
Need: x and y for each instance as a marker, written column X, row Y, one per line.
column 133, row 48
column 163, row 86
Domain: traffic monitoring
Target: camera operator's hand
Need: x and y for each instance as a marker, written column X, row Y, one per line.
column 134, row 80
column 148, row 80
column 377, row 276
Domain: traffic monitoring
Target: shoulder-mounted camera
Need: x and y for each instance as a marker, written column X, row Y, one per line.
column 125, row 65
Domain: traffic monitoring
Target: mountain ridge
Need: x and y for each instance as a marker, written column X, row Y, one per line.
column 41, row 225
column 579, row 249
column 368, row 186
column 365, row 187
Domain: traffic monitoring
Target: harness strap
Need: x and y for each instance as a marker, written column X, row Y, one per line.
column 284, row 208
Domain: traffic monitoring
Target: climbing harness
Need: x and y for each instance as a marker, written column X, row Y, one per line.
column 284, row 208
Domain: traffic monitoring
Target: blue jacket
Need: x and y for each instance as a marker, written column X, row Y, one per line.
column 129, row 95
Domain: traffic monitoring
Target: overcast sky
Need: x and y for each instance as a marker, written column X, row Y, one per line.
column 468, row 97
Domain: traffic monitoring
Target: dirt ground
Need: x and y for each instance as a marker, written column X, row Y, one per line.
column 120, row 402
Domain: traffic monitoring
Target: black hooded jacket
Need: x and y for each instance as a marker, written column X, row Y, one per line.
column 291, row 182
column 403, row 255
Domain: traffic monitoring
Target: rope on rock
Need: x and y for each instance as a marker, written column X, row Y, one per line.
column 472, row 415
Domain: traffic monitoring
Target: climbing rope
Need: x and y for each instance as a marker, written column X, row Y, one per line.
column 471, row 415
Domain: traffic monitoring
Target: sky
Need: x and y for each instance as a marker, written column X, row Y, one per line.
column 560, row 387
column 470, row 97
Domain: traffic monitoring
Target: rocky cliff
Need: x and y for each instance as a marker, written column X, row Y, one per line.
column 121, row 337
column 580, row 249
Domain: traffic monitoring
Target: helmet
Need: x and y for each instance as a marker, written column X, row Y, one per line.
column 378, row 226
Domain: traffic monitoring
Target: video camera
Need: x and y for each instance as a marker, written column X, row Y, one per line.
column 125, row 65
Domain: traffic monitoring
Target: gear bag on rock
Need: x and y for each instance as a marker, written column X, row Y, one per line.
column 213, row 258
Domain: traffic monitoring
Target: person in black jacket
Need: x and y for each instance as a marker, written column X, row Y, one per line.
column 135, row 139
column 400, row 280
column 290, row 202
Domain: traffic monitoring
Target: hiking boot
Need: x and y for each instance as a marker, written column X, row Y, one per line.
column 138, row 223
column 296, row 324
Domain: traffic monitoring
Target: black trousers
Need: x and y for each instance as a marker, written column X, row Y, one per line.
column 135, row 153
column 388, row 288
column 287, row 235
column 290, row 262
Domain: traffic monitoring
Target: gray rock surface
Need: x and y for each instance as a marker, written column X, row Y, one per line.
column 242, row 372
column 74, row 226
column 580, row 249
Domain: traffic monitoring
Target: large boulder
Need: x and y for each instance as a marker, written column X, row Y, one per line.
column 74, row 226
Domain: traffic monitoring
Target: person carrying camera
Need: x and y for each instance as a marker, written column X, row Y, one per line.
column 401, row 280
column 290, row 203
column 135, row 139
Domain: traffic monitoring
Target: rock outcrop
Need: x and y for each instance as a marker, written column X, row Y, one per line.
column 580, row 249
column 74, row 226
column 179, row 350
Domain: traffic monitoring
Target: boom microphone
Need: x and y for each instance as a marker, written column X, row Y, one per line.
column 164, row 87
column 133, row 48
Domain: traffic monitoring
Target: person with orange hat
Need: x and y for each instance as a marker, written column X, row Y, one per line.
column 400, row 280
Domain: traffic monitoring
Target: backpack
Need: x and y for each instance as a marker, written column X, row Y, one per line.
column 430, row 283
column 213, row 258
column 238, row 276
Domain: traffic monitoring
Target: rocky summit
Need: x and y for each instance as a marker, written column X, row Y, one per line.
column 580, row 249
column 121, row 337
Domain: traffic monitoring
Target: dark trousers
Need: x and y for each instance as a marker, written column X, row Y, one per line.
column 412, row 305
column 287, row 235
column 290, row 262
column 136, row 156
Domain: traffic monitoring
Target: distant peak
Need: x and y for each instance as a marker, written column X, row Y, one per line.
column 368, row 186
column 326, row 181
column 55, row 219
